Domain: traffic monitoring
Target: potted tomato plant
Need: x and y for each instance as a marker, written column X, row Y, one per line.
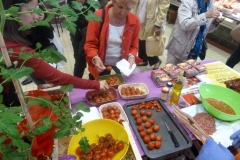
column 28, row 131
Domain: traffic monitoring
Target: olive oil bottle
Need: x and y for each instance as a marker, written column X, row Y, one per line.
column 177, row 88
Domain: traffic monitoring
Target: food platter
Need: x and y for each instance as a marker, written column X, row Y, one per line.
column 108, row 95
column 160, row 117
column 122, row 117
column 136, row 86
column 117, row 79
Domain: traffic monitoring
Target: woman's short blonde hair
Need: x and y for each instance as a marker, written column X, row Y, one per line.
column 127, row 2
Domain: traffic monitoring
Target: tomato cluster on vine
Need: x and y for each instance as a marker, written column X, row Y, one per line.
column 105, row 149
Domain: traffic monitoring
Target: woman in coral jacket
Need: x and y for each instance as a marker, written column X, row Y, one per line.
column 15, row 40
column 114, row 39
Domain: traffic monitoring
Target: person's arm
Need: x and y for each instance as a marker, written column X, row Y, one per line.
column 161, row 14
column 135, row 40
column 213, row 151
column 92, row 43
column 188, row 21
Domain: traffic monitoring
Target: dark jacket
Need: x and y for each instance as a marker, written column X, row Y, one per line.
column 81, row 22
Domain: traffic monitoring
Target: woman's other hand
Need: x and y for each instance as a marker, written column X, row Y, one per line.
column 212, row 14
column 103, row 85
column 99, row 65
column 131, row 60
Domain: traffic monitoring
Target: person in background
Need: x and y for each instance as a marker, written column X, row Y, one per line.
column 235, row 56
column 79, row 39
column 112, row 40
column 152, row 16
column 213, row 151
column 195, row 19
column 16, row 40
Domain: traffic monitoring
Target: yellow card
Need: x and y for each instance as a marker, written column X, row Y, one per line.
column 218, row 72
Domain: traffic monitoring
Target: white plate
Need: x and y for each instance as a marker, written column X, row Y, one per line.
column 123, row 115
column 140, row 86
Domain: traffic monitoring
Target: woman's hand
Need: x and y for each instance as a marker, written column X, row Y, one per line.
column 212, row 14
column 99, row 65
column 131, row 60
column 103, row 85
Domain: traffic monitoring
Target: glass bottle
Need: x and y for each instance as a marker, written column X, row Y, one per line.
column 170, row 86
column 177, row 88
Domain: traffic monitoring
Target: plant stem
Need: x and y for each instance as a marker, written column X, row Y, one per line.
column 3, row 17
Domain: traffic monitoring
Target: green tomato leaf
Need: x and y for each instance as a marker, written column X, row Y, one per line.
column 70, row 26
column 9, row 129
column 1, row 98
column 16, row 73
column 42, row 101
column 80, row 106
column 10, row 117
column 64, row 131
column 84, row 145
column 42, row 128
column 57, row 123
column 20, row 144
column 2, row 139
column 37, row 10
column 67, row 88
column 51, row 55
column 66, row 99
column 93, row 17
column 94, row 4
column 38, row 45
column 2, row 107
column 1, row 88
column 77, row 116
column 13, row 10
column 25, row 27
column 76, row 5
column 42, row 23
column 15, row 110
column 49, row 17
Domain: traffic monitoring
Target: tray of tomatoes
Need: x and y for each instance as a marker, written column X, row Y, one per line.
column 147, row 117
column 113, row 80
column 98, row 97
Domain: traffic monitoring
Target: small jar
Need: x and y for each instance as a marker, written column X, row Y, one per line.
column 170, row 86
column 165, row 93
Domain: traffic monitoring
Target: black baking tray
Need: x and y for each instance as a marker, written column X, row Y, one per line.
column 160, row 117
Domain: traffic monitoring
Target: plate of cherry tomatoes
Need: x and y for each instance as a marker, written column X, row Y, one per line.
column 104, row 139
column 133, row 90
column 113, row 111
column 113, row 80
column 98, row 97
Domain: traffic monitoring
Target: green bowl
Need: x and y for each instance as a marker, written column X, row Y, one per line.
column 225, row 95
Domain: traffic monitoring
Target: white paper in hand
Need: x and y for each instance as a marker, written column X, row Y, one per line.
column 123, row 66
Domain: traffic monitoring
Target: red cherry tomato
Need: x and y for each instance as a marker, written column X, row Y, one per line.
column 120, row 145
column 78, row 151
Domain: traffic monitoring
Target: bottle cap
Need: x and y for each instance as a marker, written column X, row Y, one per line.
column 169, row 84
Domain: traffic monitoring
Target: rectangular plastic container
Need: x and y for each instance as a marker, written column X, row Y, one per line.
column 120, row 79
column 160, row 117
column 140, row 86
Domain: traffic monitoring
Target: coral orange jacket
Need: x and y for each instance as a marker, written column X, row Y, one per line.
column 96, row 45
